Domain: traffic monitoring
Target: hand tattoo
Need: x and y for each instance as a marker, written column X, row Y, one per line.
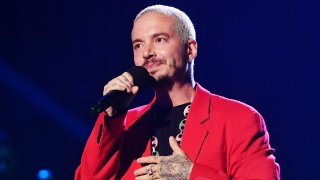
column 176, row 167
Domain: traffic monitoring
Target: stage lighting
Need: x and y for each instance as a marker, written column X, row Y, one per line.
column 44, row 174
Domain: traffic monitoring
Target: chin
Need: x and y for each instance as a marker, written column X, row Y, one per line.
column 158, row 76
column 162, row 82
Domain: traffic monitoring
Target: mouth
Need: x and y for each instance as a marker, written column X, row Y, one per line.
column 150, row 65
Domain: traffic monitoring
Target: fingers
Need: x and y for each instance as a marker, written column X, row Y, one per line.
column 148, row 172
column 148, row 177
column 175, row 147
column 150, row 159
column 124, row 82
column 150, row 169
column 128, row 78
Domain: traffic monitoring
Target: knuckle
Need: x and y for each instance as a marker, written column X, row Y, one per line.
column 128, row 76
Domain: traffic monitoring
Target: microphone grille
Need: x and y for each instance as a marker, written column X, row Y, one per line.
column 141, row 76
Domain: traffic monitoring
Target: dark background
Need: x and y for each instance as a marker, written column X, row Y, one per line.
column 56, row 56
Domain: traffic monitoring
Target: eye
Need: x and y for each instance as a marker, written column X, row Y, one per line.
column 159, row 39
column 136, row 46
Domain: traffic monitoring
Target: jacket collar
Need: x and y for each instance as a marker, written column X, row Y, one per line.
column 200, row 107
column 195, row 132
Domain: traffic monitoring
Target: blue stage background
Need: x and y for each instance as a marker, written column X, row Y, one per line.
column 56, row 56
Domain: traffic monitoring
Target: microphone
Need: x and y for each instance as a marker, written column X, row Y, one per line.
column 141, row 78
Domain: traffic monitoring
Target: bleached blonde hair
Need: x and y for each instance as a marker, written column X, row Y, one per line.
column 184, row 25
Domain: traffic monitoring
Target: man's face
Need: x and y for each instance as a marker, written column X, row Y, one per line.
column 157, row 46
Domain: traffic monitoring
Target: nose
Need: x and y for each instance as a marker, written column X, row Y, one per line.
column 148, row 52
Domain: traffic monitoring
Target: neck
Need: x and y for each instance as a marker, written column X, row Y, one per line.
column 178, row 93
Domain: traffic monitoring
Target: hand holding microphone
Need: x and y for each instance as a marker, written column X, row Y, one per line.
column 123, row 83
column 120, row 91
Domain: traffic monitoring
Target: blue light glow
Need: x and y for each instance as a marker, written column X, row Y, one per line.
column 41, row 100
column 44, row 174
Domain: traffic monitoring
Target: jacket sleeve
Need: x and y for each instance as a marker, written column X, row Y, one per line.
column 100, row 158
column 249, row 155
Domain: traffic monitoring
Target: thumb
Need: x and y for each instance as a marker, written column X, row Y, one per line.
column 175, row 147
column 135, row 90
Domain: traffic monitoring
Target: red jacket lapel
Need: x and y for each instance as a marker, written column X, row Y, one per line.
column 195, row 133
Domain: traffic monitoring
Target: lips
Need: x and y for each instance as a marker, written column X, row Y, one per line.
column 151, row 64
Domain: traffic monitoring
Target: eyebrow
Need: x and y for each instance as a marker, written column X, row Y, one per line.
column 136, row 40
column 160, row 34
column 153, row 36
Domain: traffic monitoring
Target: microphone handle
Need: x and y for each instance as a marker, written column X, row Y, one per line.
column 111, row 98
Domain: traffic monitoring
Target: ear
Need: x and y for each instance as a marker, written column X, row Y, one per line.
column 192, row 48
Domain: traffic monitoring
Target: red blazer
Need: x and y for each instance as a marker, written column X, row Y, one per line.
column 224, row 138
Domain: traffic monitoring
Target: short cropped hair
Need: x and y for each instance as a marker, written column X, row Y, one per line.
column 184, row 26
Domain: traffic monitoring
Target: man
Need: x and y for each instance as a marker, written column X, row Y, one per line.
column 185, row 132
